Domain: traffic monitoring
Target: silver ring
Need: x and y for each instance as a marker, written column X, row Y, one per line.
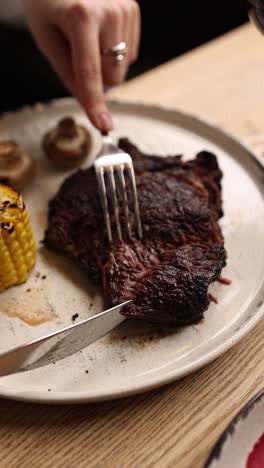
column 118, row 52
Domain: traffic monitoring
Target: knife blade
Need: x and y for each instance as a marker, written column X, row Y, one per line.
column 60, row 344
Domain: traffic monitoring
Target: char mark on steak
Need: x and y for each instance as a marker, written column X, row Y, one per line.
column 168, row 273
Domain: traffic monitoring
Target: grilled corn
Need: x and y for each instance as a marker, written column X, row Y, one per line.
column 17, row 245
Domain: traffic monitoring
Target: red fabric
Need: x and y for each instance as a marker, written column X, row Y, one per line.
column 256, row 457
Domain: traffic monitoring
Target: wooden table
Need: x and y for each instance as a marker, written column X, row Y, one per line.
column 174, row 426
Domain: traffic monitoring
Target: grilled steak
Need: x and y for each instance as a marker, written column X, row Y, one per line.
column 167, row 274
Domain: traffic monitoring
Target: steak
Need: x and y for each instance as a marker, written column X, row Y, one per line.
column 168, row 272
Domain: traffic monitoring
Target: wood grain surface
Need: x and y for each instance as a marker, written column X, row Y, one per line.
column 177, row 425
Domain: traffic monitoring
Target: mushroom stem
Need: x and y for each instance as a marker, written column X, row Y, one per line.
column 67, row 128
column 9, row 154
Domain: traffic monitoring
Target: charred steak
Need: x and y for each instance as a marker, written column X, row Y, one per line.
column 167, row 274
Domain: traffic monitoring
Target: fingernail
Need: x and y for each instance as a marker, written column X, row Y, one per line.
column 105, row 122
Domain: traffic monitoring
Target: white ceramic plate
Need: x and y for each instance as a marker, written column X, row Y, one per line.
column 235, row 446
column 135, row 358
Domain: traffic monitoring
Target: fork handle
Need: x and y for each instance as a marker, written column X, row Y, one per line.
column 108, row 147
column 107, row 140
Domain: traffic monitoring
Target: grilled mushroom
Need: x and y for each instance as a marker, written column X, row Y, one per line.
column 16, row 166
column 67, row 144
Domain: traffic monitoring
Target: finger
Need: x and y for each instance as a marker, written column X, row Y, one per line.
column 115, row 29
column 57, row 50
column 135, row 32
column 84, row 38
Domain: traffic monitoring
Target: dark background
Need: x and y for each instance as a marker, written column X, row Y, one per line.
column 169, row 28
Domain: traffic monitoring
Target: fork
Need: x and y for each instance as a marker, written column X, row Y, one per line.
column 110, row 161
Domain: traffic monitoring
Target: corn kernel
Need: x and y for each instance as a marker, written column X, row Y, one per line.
column 17, row 245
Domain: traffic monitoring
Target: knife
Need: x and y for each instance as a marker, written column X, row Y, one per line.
column 61, row 343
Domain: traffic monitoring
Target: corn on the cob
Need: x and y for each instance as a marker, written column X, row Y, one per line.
column 17, row 246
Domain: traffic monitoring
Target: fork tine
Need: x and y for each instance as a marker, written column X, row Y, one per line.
column 104, row 203
column 131, row 175
column 120, row 172
column 111, row 160
column 111, row 178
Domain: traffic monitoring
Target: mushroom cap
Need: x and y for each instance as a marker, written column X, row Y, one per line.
column 67, row 144
column 16, row 166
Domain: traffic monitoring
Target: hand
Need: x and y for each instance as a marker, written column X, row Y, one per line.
column 72, row 33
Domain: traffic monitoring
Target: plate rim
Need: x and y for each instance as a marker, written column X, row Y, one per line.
column 76, row 397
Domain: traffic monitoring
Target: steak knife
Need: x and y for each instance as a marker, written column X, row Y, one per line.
column 60, row 344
